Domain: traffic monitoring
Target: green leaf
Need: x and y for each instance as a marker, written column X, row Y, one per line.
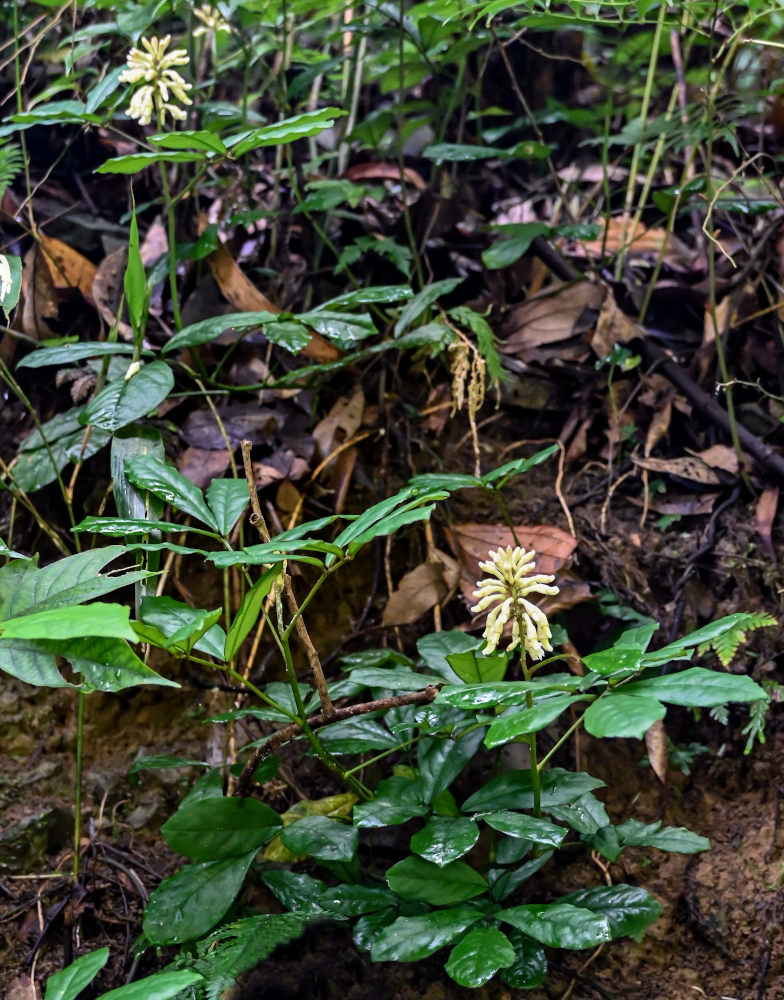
column 437, row 885
column 422, row 301
column 189, row 139
column 391, row 679
column 110, row 620
column 475, row 667
column 559, row 925
column 530, row 720
column 66, row 438
column 227, row 499
column 321, row 838
column 134, row 162
column 698, row 687
column 124, row 401
column 677, row 839
column 345, row 329
column 32, row 662
column 540, row 831
column 356, row 736
column 436, row 648
column 530, row 965
column 504, row 252
column 296, row 891
column 586, row 814
column 276, row 551
column 135, row 280
column 249, row 610
column 189, row 903
column 629, row 909
column 493, row 695
column 397, row 800
column 623, row 715
column 160, row 986
column 615, row 660
column 210, row 329
column 150, row 473
column 70, row 354
column 107, row 664
column 504, row 882
column 288, row 130
column 441, row 760
column 513, row 790
column 517, row 466
column 409, row 939
column 161, row 761
column 137, row 526
column 386, row 516
column 69, row 983
column 381, row 294
column 478, row 956
column 355, row 900
column 445, row 839
column 216, row 829
column 184, row 626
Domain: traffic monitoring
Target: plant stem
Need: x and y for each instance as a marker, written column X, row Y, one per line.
column 77, row 830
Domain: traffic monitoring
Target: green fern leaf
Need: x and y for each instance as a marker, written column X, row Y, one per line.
column 10, row 166
column 726, row 644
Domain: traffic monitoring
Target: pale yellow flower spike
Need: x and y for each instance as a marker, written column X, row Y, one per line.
column 512, row 577
column 154, row 66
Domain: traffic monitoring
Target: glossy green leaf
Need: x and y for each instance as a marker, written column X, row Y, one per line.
column 387, row 516
column 184, row 626
column 227, row 499
column 441, row 760
column 474, row 667
column 623, row 715
column 381, row 294
column 70, row 354
column 697, row 686
column 513, row 790
column 445, row 838
column 504, row 252
column 397, row 800
column 124, row 401
column 249, row 611
column 540, row 831
column 677, row 839
column 216, row 829
column 354, row 900
column 276, row 551
column 435, row 648
column 478, row 956
column 614, row 660
column 504, row 882
column 69, row 983
column 149, row 473
column 295, row 890
column 559, row 925
column 98, row 619
column 497, row 477
column 115, row 526
column 189, row 903
column 356, row 736
column 493, row 695
column 422, row 301
column 438, row 885
column 321, row 838
column 66, row 438
column 345, row 329
column 530, row 720
column 134, row 162
column 586, row 815
column 189, row 139
column 135, row 280
column 529, row 968
column 210, row 329
column 392, row 679
column 162, row 761
column 629, row 909
column 32, row 662
column 409, row 939
column 107, row 664
column 160, row 986
column 290, row 129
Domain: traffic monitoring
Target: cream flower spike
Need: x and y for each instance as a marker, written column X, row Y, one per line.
column 212, row 21
column 512, row 577
column 154, row 66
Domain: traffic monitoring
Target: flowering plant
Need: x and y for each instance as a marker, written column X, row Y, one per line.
column 155, row 66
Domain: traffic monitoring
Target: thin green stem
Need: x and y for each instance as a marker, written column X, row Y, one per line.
column 172, row 244
column 77, row 830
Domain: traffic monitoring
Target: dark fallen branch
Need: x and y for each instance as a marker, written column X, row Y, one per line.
column 320, row 719
column 763, row 454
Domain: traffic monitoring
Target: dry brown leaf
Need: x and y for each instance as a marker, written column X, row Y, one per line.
column 245, row 297
column 720, row 456
column 656, row 745
column 689, row 467
column 155, row 244
column 107, row 290
column 202, row 466
column 646, row 242
column 383, row 172
column 612, row 327
column 341, row 423
column 340, row 478
column 39, row 302
column 550, row 316
column 421, row 590
column 686, row 504
column 68, row 267
column 767, row 505
column 659, row 425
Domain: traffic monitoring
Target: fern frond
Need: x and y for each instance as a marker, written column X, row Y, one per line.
column 10, row 166
column 726, row 644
